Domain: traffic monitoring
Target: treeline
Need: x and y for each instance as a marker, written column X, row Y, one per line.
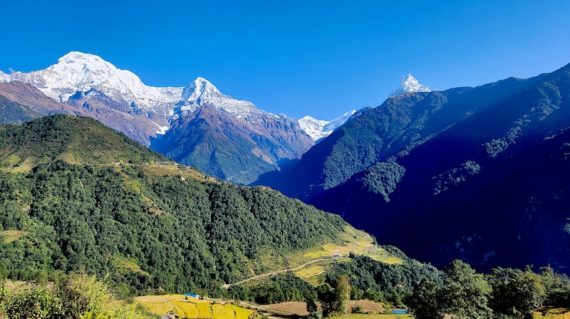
column 387, row 283
column 456, row 292
column 504, row 293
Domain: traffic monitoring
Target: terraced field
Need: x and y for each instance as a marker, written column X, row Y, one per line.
column 350, row 241
column 311, row 264
column 379, row 316
column 191, row 308
column 300, row 308
column 557, row 313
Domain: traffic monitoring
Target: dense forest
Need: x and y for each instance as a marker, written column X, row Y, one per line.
column 146, row 231
column 275, row 289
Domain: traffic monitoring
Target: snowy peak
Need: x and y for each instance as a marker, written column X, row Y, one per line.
column 82, row 72
column 313, row 121
column 318, row 129
column 313, row 127
column 200, row 89
column 4, row 77
column 335, row 123
column 203, row 92
column 88, row 60
column 410, row 85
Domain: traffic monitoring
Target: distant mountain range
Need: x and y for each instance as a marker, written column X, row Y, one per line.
column 318, row 129
column 474, row 173
column 196, row 125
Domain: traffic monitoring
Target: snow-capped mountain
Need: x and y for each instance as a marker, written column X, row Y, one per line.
column 410, row 85
column 82, row 72
column 197, row 125
column 4, row 77
column 202, row 92
column 318, row 129
column 229, row 138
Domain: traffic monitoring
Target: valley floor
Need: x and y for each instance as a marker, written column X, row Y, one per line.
column 192, row 308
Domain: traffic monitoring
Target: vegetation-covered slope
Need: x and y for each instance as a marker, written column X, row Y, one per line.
column 76, row 140
column 77, row 196
column 377, row 134
column 492, row 189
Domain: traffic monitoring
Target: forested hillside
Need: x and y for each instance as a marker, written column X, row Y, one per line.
column 78, row 197
column 491, row 189
column 377, row 134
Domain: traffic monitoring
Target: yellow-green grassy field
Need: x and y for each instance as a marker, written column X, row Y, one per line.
column 299, row 308
column 172, row 169
column 191, row 307
column 311, row 264
column 365, row 316
column 557, row 313
column 350, row 241
column 129, row 265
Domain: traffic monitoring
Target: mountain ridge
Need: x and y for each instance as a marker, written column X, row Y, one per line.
column 390, row 130
column 489, row 189
column 87, row 85
column 78, row 72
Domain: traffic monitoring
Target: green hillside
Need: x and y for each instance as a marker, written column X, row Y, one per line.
column 75, row 140
column 79, row 197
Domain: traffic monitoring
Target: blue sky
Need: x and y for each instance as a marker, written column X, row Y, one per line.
column 296, row 57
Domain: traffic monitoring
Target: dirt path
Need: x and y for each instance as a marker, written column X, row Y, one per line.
column 226, row 286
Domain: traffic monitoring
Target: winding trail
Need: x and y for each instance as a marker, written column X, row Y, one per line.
column 226, row 286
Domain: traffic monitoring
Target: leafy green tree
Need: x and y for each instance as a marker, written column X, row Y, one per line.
column 557, row 288
column 83, row 295
column 370, row 279
column 279, row 288
column 464, row 294
column 34, row 303
column 327, row 297
column 342, row 295
column 423, row 301
column 516, row 292
column 312, row 309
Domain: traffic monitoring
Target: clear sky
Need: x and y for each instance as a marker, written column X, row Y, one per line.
column 296, row 57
